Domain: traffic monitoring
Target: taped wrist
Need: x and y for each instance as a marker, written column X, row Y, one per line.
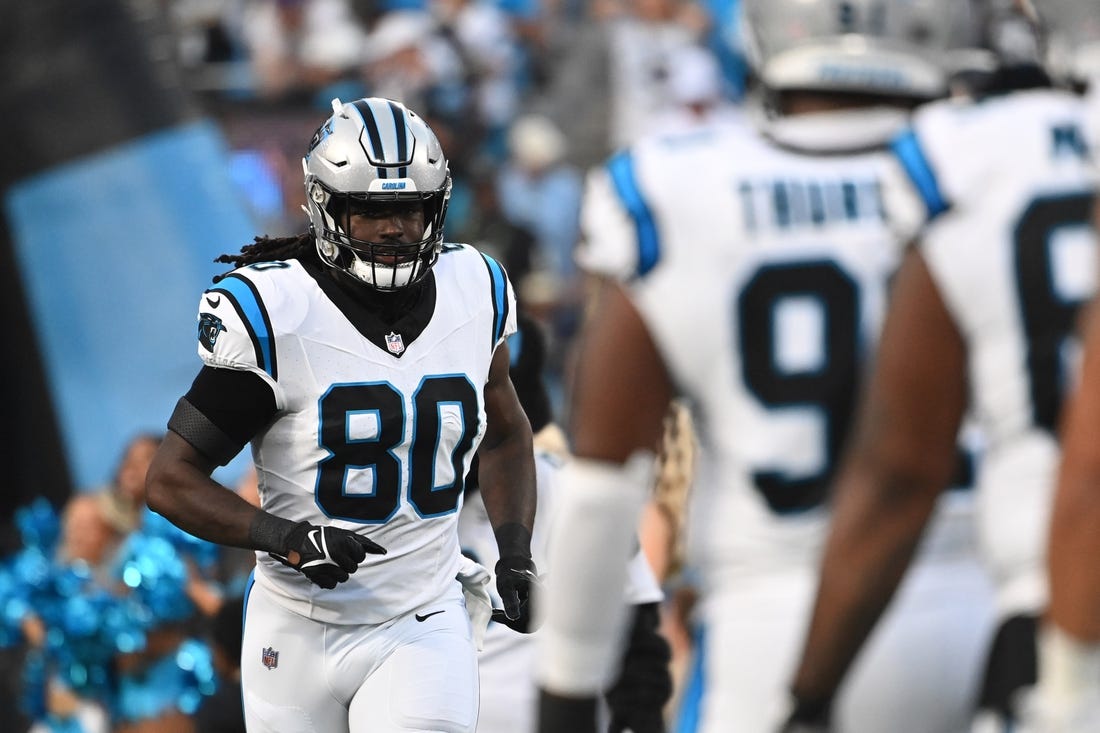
column 594, row 529
column 1069, row 667
column 269, row 533
column 513, row 540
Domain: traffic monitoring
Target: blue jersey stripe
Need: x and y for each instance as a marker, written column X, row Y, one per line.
column 909, row 152
column 500, row 301
column 254, row 314
column 621, row 168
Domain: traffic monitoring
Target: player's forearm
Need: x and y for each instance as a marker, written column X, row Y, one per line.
column 876, row 528
column 1074, row 542
column 199, row 505
column 1074, row 547
column 507, row 475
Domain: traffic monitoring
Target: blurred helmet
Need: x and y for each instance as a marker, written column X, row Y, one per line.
column 375, row 152
column 1072, row 29
column 895, row 48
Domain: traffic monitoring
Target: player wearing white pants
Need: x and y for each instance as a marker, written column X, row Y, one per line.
column 416, row 672
column 366, row 362
column 745, row 269
column 921, row 669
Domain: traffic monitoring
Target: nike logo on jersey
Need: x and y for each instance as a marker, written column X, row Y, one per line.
column 214, row 303
column 427, row 616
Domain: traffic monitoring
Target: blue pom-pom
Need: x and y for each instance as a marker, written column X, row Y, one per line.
column 39, row 526
column 157, row 576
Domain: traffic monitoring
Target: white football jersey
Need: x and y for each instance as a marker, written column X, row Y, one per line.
column 506, row 664
column 375, row 428
column 1008, row 185
column 761, row 273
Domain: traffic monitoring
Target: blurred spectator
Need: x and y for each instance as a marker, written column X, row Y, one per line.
column 406, row 58
column 223, row 711
column 483, row 223
column 203, row 32
column 299, row 47
column 88, row 537
column 539, row 190
column 122, row 502
column 613, row 72
column 70, row 712
column 696, row 94
column 487, row 42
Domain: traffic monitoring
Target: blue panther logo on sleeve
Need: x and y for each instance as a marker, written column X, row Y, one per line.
column 210, row 326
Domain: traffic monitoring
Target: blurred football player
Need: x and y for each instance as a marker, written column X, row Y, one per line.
column 746, row 269
column 1067, row 696
column 984, row 311
column 506, row 664
column 1068, row 691
column 366, row 361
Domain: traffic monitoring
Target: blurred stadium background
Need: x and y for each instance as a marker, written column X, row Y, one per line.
column 146, row 137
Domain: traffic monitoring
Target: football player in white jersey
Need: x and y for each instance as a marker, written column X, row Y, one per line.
column 506, row 664
column 366, row 361
column 1067, row 699
column 984, row 311
column 746, row 269
column 1068, row 692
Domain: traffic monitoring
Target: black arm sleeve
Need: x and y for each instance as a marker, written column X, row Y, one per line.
column 222, row 411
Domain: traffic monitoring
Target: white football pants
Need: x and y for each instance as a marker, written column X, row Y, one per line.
column 417, row 672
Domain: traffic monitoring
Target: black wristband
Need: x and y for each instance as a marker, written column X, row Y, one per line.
column 513, row 540
column 575, row 714
column 816, row 712
column 268, row 532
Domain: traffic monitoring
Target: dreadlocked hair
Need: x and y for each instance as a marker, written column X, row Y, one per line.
column 270, row 249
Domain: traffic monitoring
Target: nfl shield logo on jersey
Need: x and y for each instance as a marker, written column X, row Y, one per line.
column 394, row 343
column 270, row 658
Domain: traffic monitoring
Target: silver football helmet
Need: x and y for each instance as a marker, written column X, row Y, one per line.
column 375, row 151
column 896, row 48
column 1072, row 29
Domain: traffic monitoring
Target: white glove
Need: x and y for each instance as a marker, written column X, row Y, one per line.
column 1067, row 698
column 475, row 590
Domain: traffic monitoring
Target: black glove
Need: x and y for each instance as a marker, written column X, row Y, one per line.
column 326, row 555
column 638, row 697
column 807, row 717
column 559, row 714
column 516, row 577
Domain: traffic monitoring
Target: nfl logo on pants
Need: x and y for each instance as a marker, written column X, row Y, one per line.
column 270, row 658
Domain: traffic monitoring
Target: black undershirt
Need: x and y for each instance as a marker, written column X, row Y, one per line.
column 237, row 402
column 374, row 313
